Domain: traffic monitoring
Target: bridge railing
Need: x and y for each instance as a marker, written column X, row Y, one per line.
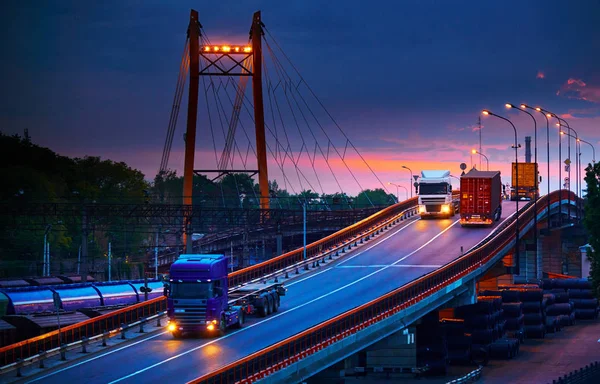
column 303, row 344
column 293, row 257
column 88, row 328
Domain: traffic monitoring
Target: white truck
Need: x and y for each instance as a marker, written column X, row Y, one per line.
column 435, row 194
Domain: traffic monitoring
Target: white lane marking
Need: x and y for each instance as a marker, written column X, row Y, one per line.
column 378, row 242
column 390, row 265
column 215, row 340
column 353, row 256
column 283, row 313
column 308, row 277
column 96, row 357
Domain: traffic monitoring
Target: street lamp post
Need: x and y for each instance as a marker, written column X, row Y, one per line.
column 397, row 194
column 551, row 114
column 487, row 161
column 593, row 150
column 515, row 146
column 537, row 187
column 577, row 157
column 538, row 109
column 46, row 264
column 411, row 178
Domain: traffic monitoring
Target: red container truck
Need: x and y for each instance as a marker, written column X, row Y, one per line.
column 480, row 198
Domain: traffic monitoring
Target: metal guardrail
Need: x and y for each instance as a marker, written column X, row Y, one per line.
column 286, row 352
column 336, row 250
column 97, row 325
column 83, row 344
column 469, row 377
column 326, row 244
column 588, row 374
column 88, row 328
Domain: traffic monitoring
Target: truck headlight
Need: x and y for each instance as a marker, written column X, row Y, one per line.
column 422, row 209
column 445, row 208
column 210, row 327
column 172, row 327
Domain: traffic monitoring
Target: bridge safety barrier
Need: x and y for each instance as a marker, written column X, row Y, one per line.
column 293, row 257
column 88, row 328
column 286, row 352
column 97, row 325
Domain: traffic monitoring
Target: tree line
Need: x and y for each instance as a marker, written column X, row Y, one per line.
column 34, row 174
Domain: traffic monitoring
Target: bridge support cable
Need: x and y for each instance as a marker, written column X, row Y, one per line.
column 287, row 150
column 239, row 92
column 181, row 79
column 303, row 81
column 304, row 146
column 281, row 73
column 286, row 75
column 289, row 84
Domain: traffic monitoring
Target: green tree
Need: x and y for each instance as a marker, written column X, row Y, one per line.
column 378, row 197
column 591, row 221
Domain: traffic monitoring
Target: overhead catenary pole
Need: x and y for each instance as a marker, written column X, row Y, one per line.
column 109, row 262
column 304, row 228
column 190, row 134
column 45, row 254
column 256, row 33
column 156, row 256
column 48, row 259
column 79, row 261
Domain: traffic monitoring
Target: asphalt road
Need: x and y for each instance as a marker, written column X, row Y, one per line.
column 404, row 253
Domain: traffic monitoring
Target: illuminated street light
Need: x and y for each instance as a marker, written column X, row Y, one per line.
column 476, row 152
column 411, row 178
column 551, row 114
column 537, row 187
column 593, row 150
column 515, row 146
column 538, row 109
column 577, row 160
column 399, row 186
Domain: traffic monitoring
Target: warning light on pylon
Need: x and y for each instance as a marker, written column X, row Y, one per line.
column 226, row 49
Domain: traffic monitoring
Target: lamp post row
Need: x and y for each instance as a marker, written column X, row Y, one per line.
column 561, row 123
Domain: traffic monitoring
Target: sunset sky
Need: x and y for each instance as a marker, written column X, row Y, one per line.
column 405, row 80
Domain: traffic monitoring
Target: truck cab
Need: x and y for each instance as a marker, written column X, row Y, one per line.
column 200, row 301
column 197, row 298
column 435, row 194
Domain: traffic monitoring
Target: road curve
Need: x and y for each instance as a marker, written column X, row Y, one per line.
column 388, row 262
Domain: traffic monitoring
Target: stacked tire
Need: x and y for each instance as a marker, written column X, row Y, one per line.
column 553, row 321
column 562, row 308
column 458, row 341
column 534, row 314
column 586, row 305
column 432, row 351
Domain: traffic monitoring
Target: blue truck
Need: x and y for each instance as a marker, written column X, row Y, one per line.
column 200, row 301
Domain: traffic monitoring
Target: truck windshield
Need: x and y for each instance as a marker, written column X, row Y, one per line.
column 191, row 290
column 433, row 189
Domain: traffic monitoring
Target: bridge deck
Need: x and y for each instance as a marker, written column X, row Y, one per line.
column 406, row 252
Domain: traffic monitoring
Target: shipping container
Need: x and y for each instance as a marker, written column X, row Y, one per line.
column 528, row 185
column 480, row 197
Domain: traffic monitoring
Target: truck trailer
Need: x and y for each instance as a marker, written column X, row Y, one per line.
column 480, row 198
column 200, row 301
column 528, row 185
column 435, row 194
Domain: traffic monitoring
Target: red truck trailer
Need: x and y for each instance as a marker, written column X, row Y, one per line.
column 480, row 197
